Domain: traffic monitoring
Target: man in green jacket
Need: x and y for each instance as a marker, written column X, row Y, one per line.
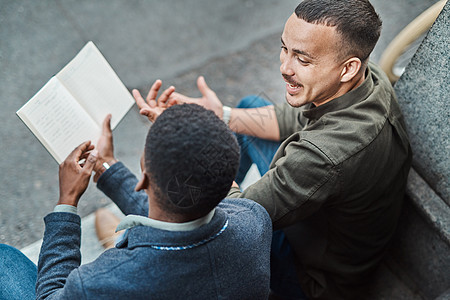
column 335, row 184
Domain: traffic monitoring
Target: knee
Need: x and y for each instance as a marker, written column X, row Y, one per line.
column 12, row 256
column 10, row 252
column 252, row 101
column 7, row 250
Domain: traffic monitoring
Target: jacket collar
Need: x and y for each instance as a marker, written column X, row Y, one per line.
column 361, row 92
column 145, row 236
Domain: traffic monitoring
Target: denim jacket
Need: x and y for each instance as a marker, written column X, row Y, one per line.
column 228, row 258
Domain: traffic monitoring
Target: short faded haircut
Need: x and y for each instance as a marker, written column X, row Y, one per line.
column 355, row 20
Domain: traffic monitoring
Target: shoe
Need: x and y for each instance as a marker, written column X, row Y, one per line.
column 105, row 225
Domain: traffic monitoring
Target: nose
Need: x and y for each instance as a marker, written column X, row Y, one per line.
column 285, row 67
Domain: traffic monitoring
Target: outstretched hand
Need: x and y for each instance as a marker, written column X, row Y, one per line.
column 209, row 99
column 150, row 107
column 73, row 177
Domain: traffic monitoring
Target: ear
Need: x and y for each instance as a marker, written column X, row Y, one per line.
column 351, row 68
column 143, row 184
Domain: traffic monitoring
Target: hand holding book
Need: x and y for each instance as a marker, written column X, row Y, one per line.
column 74, row 178
column 71, row 107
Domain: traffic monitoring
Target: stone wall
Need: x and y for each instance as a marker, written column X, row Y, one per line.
column 424, row 94
column 421, row 249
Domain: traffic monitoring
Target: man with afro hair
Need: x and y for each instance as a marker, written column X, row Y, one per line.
column 183, row 240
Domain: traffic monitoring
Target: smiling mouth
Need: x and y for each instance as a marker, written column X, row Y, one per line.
column 293, row 88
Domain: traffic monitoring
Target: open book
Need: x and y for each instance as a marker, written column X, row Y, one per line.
column 70, row 108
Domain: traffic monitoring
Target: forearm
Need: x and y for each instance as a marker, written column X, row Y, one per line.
column 260, row 122
column 118, row 184
column 60, row 253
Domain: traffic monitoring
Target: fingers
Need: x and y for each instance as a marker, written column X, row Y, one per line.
column 139, row 100
column 144, row 112
column 154, row 90
column 166, row 95
column 152, row 94
column 202, row 86
column 179, row 98
column 152, row 103
column 151, row 113
column 83, row 157
column 78, row 152
column 106, row 128
column 172, row 102
column 90, row 161
column 96, row 177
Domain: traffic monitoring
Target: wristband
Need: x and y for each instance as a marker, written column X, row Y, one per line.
column 226, row 114
column 106, row 166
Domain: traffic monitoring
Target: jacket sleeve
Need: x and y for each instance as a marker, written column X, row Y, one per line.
column 296, row 186
column 118, row 184
column 59, row 256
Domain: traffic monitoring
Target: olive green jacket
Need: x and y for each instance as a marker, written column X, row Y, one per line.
column 336, row 184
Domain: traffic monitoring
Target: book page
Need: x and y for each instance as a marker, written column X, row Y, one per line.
column 58, row 121
column 96, row 86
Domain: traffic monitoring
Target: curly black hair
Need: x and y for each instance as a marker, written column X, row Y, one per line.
column 192, row 158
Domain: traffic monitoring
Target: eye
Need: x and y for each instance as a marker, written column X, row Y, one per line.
column 284, row 48
column 303, row 62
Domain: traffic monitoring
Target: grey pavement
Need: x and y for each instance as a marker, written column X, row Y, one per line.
column 142, row 40
column 235, row 44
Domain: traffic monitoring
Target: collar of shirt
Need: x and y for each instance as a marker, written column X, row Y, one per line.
column 361, row 92
column 134, row 220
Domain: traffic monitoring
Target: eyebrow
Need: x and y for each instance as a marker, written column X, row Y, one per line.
column 301, row 52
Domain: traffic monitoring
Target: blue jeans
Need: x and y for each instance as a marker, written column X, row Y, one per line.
column 17, row 274
column 283, row 280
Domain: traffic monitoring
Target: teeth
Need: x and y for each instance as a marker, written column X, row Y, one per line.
column 292, row 86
